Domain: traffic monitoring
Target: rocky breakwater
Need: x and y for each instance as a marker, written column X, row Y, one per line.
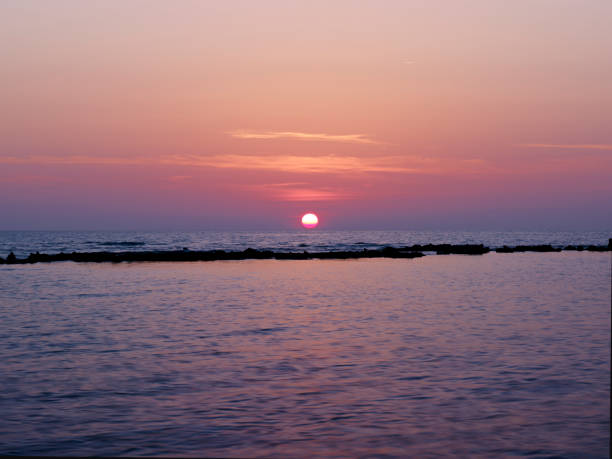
column 413, row 251
column 209, row 255
column 447, row 249
column 550, row 248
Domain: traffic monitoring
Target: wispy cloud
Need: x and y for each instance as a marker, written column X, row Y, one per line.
column 32, row 179
column 74, row 160
column 300, row 192
column 329, row 164
column 285, row 163
column 303, row 164
column 301, row 195
column 345, row 138
column 567, row 146
column 179, row 178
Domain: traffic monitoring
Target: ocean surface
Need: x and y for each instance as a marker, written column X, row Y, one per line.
column 496, row 355
column 22, row 243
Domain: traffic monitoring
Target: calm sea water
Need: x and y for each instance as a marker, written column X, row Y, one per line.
column 498, row 355
column 22, row 243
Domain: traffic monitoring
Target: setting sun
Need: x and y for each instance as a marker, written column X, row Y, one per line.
column 310, row 220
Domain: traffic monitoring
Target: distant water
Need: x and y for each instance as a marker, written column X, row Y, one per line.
column 499, row 355
column 22, row 243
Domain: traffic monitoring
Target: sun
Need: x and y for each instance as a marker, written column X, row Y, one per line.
column 310, row 220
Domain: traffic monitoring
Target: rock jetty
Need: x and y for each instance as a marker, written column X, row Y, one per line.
column 209, row 255
column 413, row 251
column 447, row 249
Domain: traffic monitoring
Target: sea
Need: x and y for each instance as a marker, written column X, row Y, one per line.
column 22, row 243
column 494, row 355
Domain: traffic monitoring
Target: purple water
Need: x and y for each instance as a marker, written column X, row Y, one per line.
column 498, row 355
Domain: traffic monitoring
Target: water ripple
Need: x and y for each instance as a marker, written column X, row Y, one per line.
column 442, row 356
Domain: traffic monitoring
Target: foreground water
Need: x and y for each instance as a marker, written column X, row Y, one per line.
column 22, row 243
column 474, row 356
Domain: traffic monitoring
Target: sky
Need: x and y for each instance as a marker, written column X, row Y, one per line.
column 244, row 115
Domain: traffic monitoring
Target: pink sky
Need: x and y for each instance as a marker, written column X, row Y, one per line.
column 216, row 115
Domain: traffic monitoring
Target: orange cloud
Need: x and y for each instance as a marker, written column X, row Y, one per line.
column 284, row 163
column 345, row 138
column 300, row 191
column 329, row 164
column 312, row 195
column 74, row 159
column 568, row 146
column 301, row 164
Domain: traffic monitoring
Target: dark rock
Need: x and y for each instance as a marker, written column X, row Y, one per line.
column 598, row 248
column 591, row 248
column 389, row 251
column 536, row 248
column 11, row 258
column 466, row 249
column 445, row 249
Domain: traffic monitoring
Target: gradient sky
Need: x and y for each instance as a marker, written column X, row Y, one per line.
column 481, row 114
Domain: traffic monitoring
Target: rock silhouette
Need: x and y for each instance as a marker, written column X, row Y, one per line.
column 550, row 248
column 210, row 255
column 413, row 251
column 528, row 248
column 446, row 249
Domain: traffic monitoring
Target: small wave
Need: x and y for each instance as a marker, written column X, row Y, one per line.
column 123, row 243
column 254, row 331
